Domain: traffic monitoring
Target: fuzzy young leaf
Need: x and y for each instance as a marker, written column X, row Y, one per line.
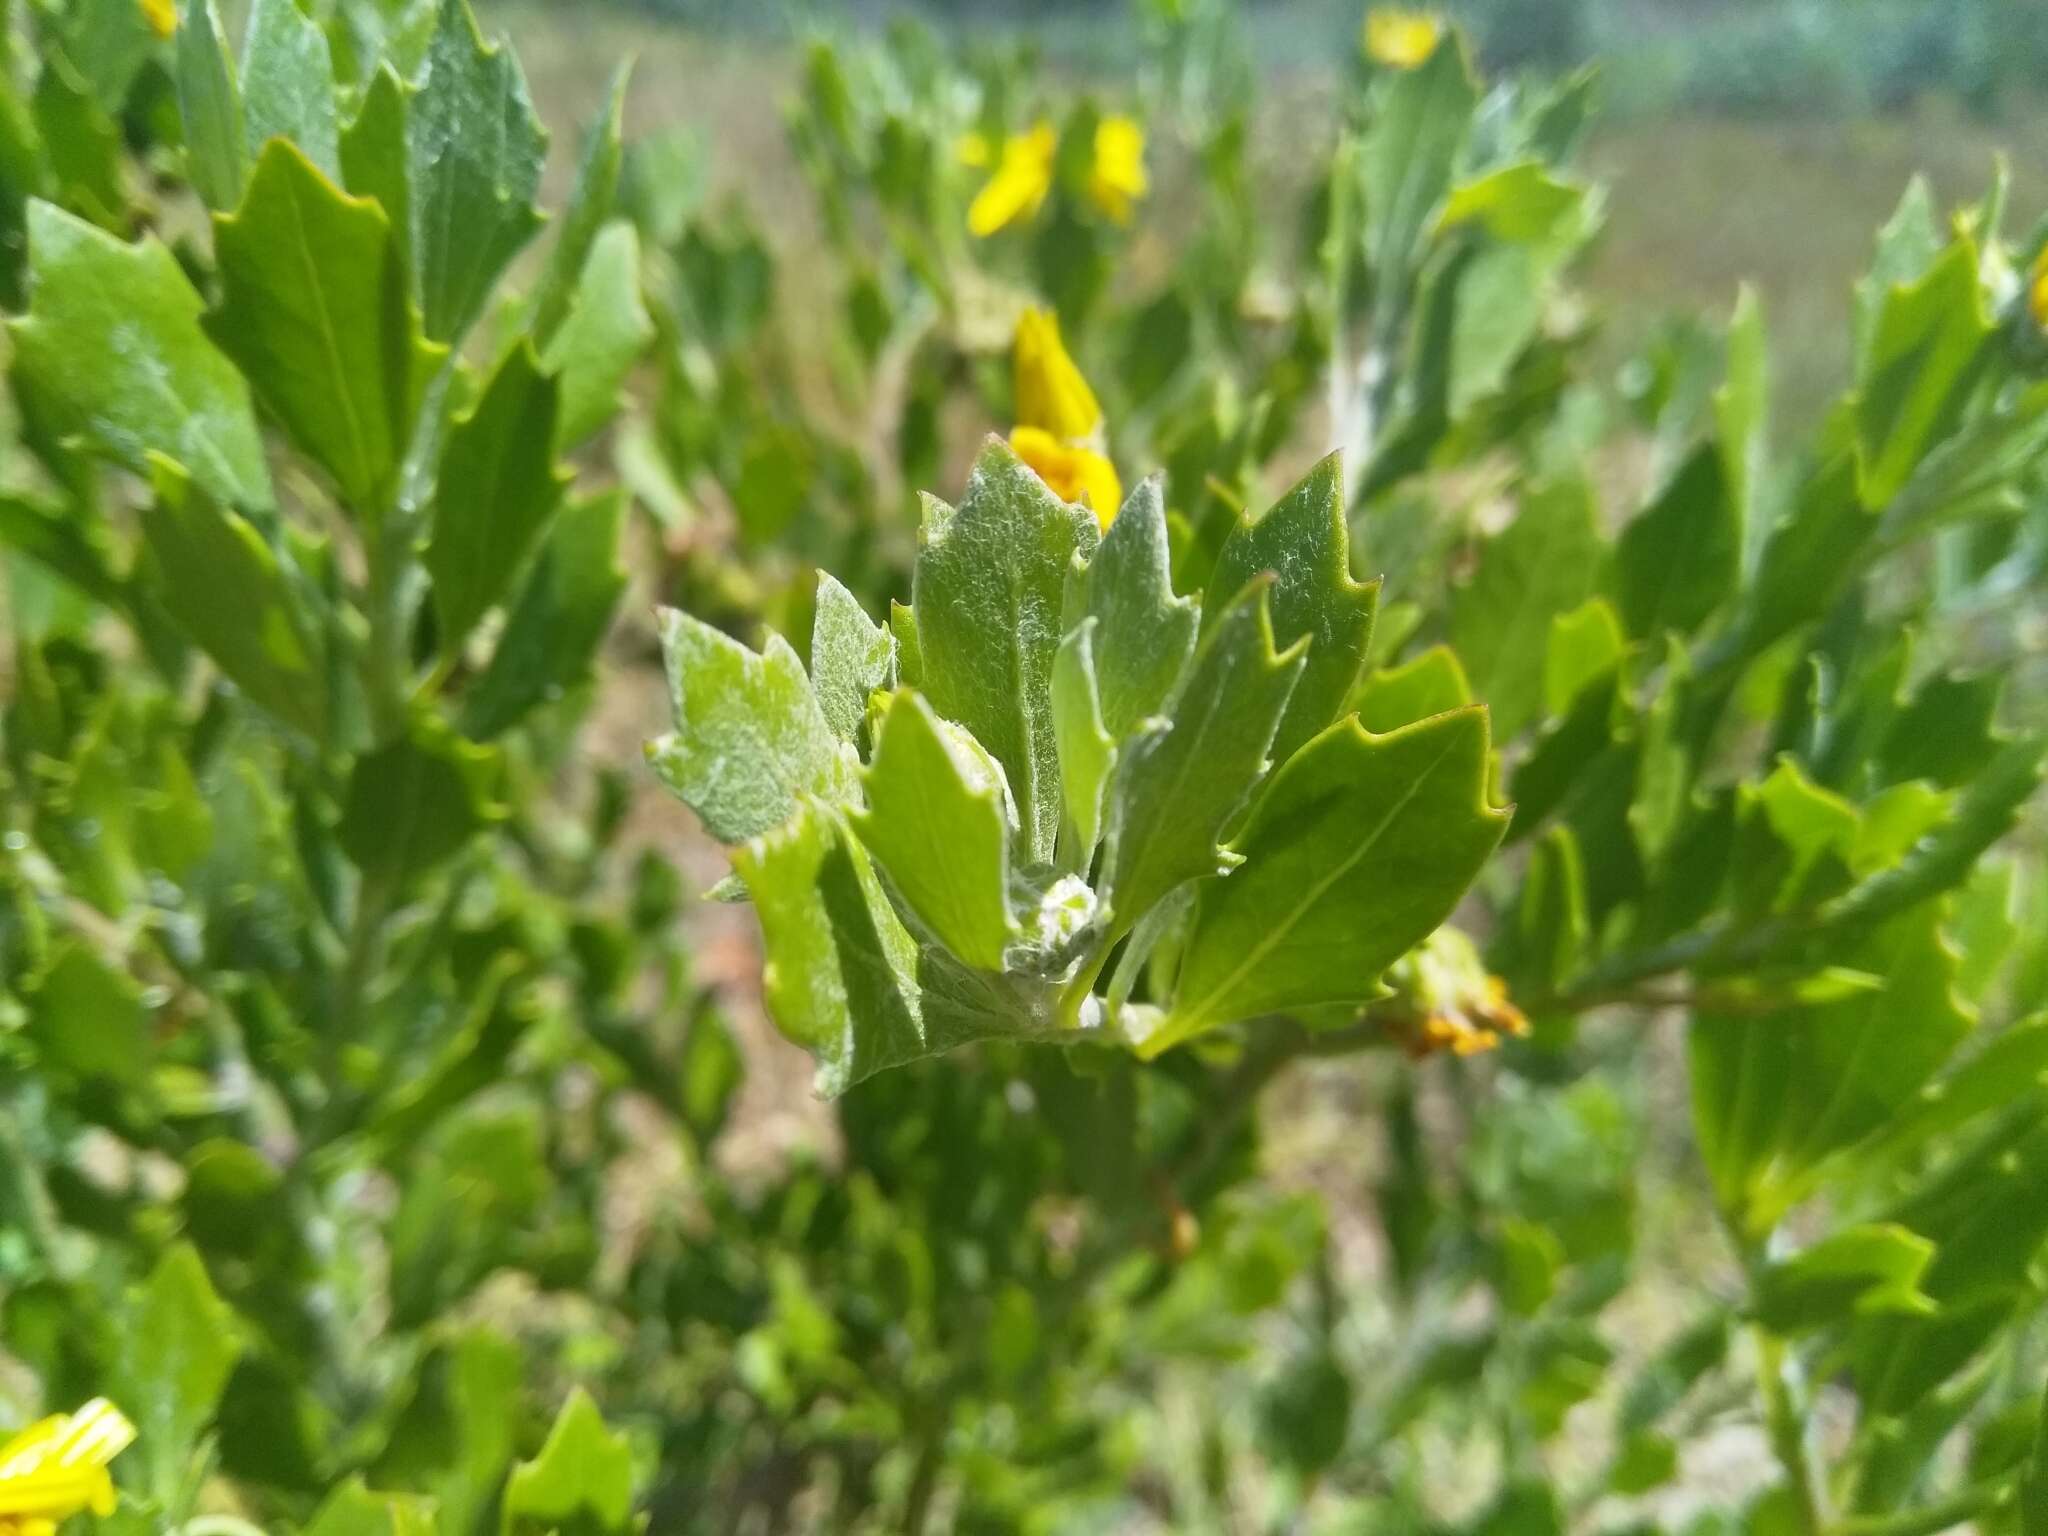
column 1145, row 634
column 497, row 487
column 851, row 657
column 988, row 587
column 210, row 107
column 1087, row 750
column 315, row 310
column 1356, row 851
column 288, row 85
column 1303, row 540
column 937, row 822
column 112, row 339
column 1180, row 785
column 750, row 739
column 474, row 156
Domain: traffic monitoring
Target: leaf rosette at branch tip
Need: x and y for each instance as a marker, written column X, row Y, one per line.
column 1057, row 800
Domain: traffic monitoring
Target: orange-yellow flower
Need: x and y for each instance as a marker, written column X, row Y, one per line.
column 162, row 16
column 2037, row 290
column 58, row 1468
column 1116, row 176
column 1074, row 473
column 1401, row 39
column 1447, row 1000
column 1021, row 181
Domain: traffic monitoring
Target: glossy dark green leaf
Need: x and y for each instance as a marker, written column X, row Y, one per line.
column 1304, row 541
column 1357, row 849
column 497, row 487
column 315, row 311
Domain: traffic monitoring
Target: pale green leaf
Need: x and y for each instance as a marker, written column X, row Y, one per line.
column 582, row 1480
column 179, row 1341
column 352, row 1510
column 1430, row 683
column 851, row 657
column 373, row 151
column 1145, row 634
column 1087, row 750
column 590, row 205
column 1586, row 645
column 210, row 107
column 288, row 85
column 603, row 336
column 1926, row 350
column 113, row 339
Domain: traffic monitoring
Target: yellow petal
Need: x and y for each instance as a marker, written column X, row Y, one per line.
column 1050, row 391
column 2037, row 295
column 162, row 16
column 1020, row 183
column 1116, row 179
column 57, row 1467
column 1401, row 39
column 1078, row 475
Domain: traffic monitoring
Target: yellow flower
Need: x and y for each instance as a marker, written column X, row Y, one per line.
column 1401, row 39
column 1447, row 1002
column 1023, row 178
column 1050, row 390
column 1074, row 473
column 55, row 1469
column 1117, row 177
column 162, row 16
column 2037, row 290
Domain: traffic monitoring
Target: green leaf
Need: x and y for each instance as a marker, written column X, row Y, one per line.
column 1925, row 353
column 590, row 205
column 474, row 157
column 1861, row 1270
column 288, row 85
column 843, row 977
column 112, row 339
column 1359, row 847
column 938, row 823
column 1408, row 155
column 1303, row 540
column 606, row 331
column 1679, row 561
column 1541, row 565
column 179, row 1342
column 88, row 1019
column 581, row 1482
column 110, row 41
column 352, row 1510
column 1522, row 202
column 373, row 151
column 559, row 620
column 1777, row 1093
column 1087, row 750
column 1742, row 413
column 81, row 143
column 1180, row 785
column 750, row 738
column 224, row 586
column 988, row 588
column 314, row 309
column 210, row 107
column 909, row 651
column 497, row 487
column 851, row 657
column 1906, row 247
column 2034, row 1484
column 1144, row 634
column 63, row 543
column 1430, row 683
column 415, row 802
column 1585, row 646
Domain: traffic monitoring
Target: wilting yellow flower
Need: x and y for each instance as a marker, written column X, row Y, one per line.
column 1448, row 1002
column 1116, row 179
column 1023, row 178
column 1074, row 473
column 2037, row 290
column 57, row 1468
column 1401, row 39
column 162, row 16
column 1050, row 390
